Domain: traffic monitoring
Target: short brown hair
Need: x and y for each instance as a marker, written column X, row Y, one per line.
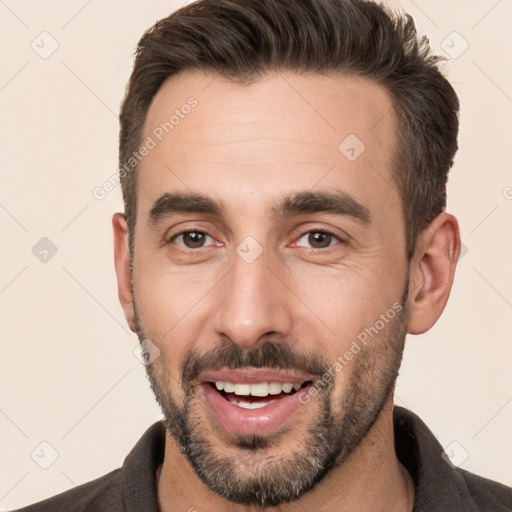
column 243, row 39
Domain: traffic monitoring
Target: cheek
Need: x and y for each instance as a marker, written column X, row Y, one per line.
column 176, row 306
column 344, row 299
column 359, row 312
column 171, row 310
column 365, row 362
column 165, row 297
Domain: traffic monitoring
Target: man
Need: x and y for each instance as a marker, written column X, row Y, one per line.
column 284, row 167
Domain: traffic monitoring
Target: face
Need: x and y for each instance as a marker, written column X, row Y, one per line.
column 270, row 271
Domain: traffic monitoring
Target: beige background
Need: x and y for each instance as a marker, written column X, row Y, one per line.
column 68, row 375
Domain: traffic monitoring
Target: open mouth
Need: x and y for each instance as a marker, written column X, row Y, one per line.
column 258, row 395
column 254, row 400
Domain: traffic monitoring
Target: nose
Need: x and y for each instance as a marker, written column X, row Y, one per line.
column 252, row 304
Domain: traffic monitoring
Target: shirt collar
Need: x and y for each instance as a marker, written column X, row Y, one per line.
column 437, row 483
column 435, row 480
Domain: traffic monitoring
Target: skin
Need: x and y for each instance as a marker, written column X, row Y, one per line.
column 245, row 146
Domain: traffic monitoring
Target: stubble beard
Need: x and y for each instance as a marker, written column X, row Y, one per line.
column 259, row 473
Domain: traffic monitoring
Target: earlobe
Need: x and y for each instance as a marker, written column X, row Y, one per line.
column 122, row 265
column 432, row 271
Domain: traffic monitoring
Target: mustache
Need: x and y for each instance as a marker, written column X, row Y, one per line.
column 268, row 355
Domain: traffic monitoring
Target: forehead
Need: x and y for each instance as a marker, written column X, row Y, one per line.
column 282, row 133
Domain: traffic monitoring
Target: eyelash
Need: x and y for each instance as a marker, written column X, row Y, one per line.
column 301, row 235
column 185, row 231
column 324, row 232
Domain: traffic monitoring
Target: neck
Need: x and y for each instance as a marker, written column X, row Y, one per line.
column 370, row 480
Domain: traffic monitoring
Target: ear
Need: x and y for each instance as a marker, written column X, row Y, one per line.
column 122, row 264
column 432, row 271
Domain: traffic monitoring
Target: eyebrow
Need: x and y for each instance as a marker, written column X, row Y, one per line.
column 170, row 204
column 338, row 203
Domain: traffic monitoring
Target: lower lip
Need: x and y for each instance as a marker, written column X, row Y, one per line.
column 237, row 420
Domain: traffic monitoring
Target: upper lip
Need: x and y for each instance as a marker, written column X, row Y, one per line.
column 255, row 376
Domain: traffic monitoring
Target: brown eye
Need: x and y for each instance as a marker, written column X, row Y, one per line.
column 317, row 240
column 191, row 239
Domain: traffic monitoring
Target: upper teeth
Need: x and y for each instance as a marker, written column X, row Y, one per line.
column 260, row 389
